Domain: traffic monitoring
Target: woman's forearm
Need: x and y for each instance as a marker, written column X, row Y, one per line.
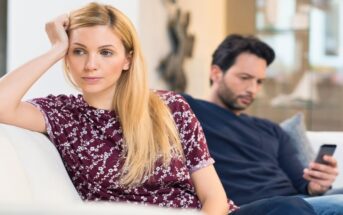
column 215, row 206
column 15, row 84
column 210, row 191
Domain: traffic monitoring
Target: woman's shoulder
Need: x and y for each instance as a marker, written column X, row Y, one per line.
column 174, row 100
column 60, row 100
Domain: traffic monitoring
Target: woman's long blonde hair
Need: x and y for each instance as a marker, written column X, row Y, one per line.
column 149, row 130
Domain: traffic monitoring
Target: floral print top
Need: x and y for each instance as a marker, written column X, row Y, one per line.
column 90, row 142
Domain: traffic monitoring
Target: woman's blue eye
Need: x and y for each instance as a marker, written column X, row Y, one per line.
column 106, row 53
column 78, row 52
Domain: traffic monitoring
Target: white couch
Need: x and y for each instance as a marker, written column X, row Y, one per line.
column 33, row 178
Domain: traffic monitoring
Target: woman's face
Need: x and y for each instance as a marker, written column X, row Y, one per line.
column 96, row 58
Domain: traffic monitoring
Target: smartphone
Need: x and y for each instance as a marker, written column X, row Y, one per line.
column 325, row 149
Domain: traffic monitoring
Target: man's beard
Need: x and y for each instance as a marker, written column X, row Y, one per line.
column 229, row 99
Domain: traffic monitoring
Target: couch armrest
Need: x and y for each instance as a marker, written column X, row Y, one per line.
column 14, row 184
column 35, row 166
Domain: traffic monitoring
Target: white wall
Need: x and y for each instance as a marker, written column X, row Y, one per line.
column 27, row 38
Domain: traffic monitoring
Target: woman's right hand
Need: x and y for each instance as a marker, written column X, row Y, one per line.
column 56, row 30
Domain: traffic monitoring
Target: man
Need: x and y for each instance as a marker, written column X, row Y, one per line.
column 253, row 156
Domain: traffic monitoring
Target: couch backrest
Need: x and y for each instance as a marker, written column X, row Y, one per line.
column 31, row 169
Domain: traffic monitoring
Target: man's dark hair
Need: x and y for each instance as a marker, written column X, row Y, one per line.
column 233, row 45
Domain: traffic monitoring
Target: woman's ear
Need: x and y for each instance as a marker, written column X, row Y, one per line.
column 128, row 61
column 126, row 66
column 66, row 63
column 216, row 74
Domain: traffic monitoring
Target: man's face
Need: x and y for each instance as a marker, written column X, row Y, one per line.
column 237, row 88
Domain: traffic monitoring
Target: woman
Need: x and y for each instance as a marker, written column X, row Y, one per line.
column 119, row 141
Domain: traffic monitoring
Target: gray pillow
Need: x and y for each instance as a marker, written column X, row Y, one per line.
column 296, row 129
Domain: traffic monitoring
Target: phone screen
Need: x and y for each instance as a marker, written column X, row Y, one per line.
column 326, row 149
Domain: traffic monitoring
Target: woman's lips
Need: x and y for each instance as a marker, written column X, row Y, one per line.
column 91, row 80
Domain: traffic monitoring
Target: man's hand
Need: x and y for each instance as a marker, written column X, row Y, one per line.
column 321, row 176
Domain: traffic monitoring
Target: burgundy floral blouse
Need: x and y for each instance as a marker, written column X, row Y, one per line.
column 90, row 142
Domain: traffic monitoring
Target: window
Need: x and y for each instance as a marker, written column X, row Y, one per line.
column 307, row 74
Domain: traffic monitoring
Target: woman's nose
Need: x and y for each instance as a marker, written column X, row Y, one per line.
column 91, row 63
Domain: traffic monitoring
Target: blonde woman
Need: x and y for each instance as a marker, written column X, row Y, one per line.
column 119, row 141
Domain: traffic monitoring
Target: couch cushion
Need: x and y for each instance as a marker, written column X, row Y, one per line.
column 38, row 165
column 295, row 128
column 93, row 208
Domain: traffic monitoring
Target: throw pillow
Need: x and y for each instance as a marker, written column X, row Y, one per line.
column 296, row 129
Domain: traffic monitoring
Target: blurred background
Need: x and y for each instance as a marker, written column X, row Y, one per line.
column 307, row 35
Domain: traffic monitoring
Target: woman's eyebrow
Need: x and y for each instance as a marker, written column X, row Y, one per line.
column 79, row 44
column 103, row 46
